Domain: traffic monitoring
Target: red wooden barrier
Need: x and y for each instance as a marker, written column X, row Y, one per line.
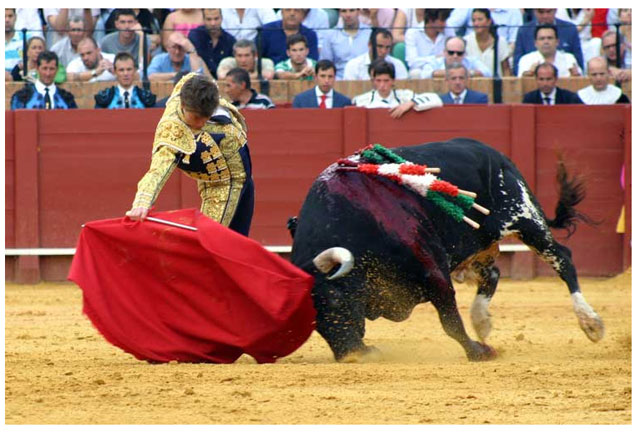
column 63, row 168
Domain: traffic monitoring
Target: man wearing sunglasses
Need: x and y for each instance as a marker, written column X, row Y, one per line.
column 621, row 72
column 454, row 52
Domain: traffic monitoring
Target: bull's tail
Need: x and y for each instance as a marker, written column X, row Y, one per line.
column 292, row 225
column 572, row 192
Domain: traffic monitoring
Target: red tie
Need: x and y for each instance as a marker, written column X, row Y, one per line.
column 323, row 98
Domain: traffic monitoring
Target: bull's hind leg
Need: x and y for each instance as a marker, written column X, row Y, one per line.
column 559, row 257
column 488, row 276
column 451, row 321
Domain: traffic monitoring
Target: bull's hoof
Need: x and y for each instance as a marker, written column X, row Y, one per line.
column 588, row 319
column 481, row 352
column 366, row 354
column 592, row 326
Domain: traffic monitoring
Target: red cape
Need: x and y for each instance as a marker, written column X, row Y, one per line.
column 164, row 293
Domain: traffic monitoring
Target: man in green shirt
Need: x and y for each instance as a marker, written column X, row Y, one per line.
column 298, row 66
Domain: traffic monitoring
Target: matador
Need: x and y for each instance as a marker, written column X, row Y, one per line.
column 206, row 137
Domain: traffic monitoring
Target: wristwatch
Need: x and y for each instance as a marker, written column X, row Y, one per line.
column 94, row 73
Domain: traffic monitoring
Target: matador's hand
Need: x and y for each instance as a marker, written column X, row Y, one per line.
column 138, row 213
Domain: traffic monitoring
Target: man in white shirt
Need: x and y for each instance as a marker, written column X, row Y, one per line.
column 358, row 67
column 422, row 44
column 398, row 101
column 546, row 41
column 92, row 65
column 600, row 92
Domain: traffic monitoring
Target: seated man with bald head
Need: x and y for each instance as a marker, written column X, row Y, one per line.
column 92, row 64
column 600, row 92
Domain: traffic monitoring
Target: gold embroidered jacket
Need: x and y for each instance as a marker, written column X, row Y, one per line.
column 211, row 156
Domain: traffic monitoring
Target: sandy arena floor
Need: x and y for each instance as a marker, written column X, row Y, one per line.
column 59, row 370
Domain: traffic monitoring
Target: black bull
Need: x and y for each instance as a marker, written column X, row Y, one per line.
column 406, row 250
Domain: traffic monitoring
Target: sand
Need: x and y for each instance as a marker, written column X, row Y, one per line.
column 59, row 370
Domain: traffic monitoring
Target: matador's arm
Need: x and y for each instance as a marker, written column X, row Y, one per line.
column 163, row 162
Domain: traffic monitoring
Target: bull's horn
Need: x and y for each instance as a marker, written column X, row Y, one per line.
column 327, row 259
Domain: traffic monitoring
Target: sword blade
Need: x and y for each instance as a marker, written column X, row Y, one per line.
column 171, row 223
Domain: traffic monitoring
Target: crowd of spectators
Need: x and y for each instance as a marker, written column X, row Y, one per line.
column 235, row 46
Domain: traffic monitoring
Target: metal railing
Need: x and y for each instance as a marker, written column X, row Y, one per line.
column 264, row 84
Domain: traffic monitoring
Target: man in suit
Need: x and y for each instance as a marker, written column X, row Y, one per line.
column 43, row 93
column 568, row 38
column 322, row 95
column 125, row 94
column 547, row 93
column 457, row 79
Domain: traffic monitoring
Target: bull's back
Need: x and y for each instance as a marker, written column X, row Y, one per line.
column 353, row 209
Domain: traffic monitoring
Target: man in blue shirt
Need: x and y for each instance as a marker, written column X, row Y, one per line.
column 180, row 56
column 347, row 41
column 272, row 37
column 568, row 39
column 211, row 42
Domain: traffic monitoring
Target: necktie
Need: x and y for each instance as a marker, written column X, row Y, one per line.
column 126, row 99
column 323, row 99
column 547, row 100
column 457, row 100
column 47, row 99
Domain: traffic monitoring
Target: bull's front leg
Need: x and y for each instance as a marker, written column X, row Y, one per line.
column 445, row 304
column 340, row 321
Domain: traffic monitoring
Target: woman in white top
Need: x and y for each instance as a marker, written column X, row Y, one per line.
column 480, row 43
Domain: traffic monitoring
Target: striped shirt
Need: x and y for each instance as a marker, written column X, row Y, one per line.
column 257, row 101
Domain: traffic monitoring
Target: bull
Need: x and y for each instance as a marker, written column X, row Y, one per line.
column 395, row 249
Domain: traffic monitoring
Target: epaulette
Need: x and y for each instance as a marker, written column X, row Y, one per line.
column 104, row 97
column 68, row 98
column 147, row 98
column 236, row 117
column 24, row 95
column 175, row 134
